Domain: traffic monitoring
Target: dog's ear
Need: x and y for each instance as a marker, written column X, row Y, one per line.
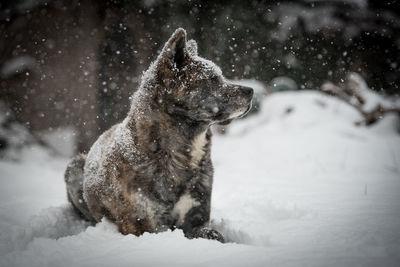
column 191, row 47
column 174, row 52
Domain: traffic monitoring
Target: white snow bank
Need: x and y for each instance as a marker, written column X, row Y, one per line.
column 296, row 185
column 372, row 99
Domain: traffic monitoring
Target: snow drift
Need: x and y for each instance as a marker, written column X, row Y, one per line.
column 297, row 184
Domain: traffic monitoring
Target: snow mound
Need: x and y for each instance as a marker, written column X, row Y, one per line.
column 49, row 223
column 297, row 184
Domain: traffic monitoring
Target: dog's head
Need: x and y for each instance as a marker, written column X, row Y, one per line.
column 191, row 86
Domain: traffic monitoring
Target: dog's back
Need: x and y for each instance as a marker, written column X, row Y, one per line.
column 74, row 175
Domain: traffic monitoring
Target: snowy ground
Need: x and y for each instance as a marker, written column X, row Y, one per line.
column 296, row 185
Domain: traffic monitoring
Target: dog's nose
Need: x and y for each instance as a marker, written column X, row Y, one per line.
column 247, row 91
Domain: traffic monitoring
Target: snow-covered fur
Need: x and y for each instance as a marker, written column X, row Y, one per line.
column 153, row 171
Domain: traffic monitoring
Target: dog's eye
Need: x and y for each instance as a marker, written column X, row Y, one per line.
column 214, row 79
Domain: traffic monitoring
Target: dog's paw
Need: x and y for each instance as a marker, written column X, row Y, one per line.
column 209, row 233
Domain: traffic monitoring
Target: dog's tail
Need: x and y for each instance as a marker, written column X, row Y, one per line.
column 74, row 179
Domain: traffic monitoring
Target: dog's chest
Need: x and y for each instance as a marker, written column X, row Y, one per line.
column 197, row 149
column 174, row 168
column 187, row 161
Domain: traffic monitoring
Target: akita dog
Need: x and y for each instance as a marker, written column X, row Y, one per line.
column 153, row 171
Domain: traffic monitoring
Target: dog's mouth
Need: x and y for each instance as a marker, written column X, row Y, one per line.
column 224, row 119
column 225, row 122
column 246, row 111
column 240, row 114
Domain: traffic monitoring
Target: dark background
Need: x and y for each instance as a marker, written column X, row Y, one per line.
column 70, row 63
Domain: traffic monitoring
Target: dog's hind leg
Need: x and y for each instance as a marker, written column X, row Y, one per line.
column 74, row 180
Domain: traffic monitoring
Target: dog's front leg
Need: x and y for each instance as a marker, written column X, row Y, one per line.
column 192, row 213
column 195, row 226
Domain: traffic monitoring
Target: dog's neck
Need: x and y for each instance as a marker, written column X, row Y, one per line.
column 168, row 132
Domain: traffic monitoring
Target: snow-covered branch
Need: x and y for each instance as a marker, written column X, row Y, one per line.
column 371, row 105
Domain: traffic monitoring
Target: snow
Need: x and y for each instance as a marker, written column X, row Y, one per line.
column 17, row 65
column 298, row 184
column 372, row 99
column 62, row 140
column 283, row 83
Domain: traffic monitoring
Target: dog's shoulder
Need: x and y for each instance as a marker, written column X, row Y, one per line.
column 103, row 153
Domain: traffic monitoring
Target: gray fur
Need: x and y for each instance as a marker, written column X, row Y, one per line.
column 153, row 171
